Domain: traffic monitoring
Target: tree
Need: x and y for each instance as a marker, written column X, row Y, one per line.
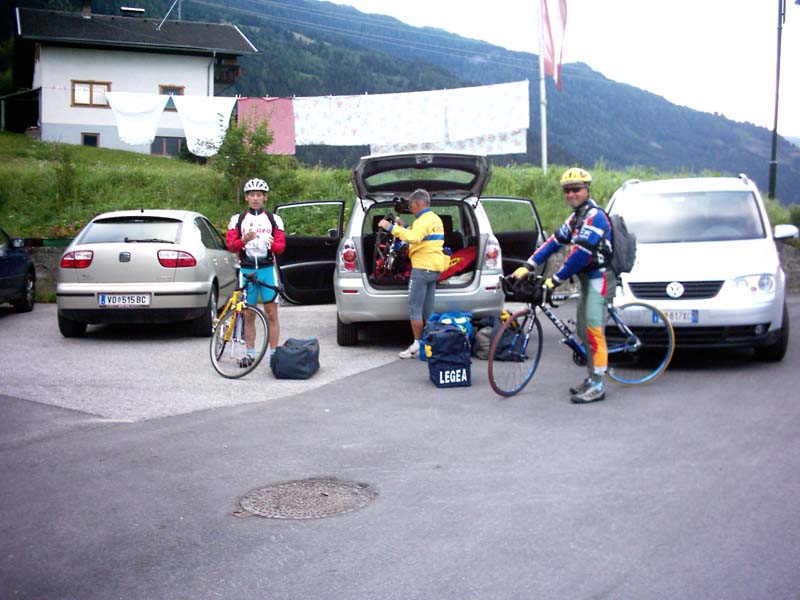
column 243, row 153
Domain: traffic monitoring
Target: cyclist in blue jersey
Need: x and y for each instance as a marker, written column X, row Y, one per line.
column 588, row 232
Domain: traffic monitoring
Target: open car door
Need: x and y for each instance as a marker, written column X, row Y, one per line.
column 517, row 227
column 313, row 230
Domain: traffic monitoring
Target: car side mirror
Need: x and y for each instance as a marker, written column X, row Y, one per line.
column 17, row 243
column 784, row 231
column 332, row 233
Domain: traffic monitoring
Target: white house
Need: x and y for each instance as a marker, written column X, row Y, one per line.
column 70, row 61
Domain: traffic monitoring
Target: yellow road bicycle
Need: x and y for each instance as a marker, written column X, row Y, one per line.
column 239, row 323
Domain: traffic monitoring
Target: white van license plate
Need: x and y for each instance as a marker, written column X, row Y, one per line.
column 123, row 300
column 681, row 316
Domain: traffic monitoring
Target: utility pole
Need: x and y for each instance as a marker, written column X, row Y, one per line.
column 773, row 163
column 542, row 93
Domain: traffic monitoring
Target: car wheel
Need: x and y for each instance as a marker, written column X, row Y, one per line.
column 346, row 334
column 70, row 328
column 25, row 304
column 777, row 350
column 202, row 326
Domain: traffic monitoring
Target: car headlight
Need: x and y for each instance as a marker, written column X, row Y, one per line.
column 755, row 284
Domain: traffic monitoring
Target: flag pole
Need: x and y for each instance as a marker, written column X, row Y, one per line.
column 542, row 92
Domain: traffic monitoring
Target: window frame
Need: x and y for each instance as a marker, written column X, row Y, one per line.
column 162, row 140
column 163, row 89
column 92, row 84
column 96, row 135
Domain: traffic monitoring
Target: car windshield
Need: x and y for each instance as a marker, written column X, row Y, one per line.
column 131, row 229
column 691, row 216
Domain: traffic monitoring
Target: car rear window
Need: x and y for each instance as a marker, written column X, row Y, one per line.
column 691, row 216
column 431, row 178
column 132, row 229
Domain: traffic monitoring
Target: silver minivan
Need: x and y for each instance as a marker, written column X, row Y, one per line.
column 707, row 256
column 484, row 236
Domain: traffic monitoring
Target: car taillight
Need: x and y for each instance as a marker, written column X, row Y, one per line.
column 175, row 258
column 78, row 259
column 349, row 257
column 493, row 256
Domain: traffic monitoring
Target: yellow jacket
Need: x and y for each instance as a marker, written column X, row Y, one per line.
column 426, row 239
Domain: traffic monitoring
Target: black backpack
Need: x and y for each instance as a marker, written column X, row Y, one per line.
column 623, row 245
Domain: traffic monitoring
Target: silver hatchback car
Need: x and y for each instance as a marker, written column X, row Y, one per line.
column 144, row 266
column 706, row 256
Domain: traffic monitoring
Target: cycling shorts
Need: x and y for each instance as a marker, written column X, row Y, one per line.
column 260, row 293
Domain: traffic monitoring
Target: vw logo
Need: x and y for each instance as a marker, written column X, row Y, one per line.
column 675, row 289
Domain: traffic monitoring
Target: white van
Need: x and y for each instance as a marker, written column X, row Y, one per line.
column 706, row 256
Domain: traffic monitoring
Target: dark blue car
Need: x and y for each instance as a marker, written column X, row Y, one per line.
column 17, row 274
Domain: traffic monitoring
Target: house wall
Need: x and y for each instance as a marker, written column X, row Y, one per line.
column 141, row 72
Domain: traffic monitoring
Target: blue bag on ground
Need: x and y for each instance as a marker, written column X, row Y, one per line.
column 296, row 359
column 448, row 352
column 462, row 320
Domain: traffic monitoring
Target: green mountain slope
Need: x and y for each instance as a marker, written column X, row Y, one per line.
column 591, row 119
column 311, row 47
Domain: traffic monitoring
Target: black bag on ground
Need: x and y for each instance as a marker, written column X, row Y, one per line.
column 296, row 359
column 447, row 349
column 484, row 328
column 505, row 350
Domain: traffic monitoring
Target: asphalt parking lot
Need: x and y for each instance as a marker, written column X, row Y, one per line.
column 684, row 489
column 140, row 372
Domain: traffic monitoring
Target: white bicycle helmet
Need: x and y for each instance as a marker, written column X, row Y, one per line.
column 256, row 184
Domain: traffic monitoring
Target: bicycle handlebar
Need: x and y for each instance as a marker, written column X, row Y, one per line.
column 509, row 283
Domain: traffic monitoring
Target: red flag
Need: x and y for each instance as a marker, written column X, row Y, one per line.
column 557, row 26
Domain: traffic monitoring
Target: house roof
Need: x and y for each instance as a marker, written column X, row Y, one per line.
column 71, row 28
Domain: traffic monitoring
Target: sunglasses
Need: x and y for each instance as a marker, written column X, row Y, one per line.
column 573, row 190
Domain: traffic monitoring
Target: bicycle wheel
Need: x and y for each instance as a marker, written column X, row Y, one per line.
column 228, row 348
column 640, row 342
column 515, row 353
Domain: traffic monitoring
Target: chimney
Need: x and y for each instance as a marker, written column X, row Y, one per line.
column 86, row 9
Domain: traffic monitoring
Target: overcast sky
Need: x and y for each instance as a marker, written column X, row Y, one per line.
column 710, row 55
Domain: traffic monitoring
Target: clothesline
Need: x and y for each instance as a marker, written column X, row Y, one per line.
column 490, row 119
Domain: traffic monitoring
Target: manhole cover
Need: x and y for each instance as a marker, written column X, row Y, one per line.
column 305, row 499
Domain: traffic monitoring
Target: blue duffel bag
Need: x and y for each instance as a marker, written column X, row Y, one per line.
column 462, row 320
column 295, row 359
column 447, row 350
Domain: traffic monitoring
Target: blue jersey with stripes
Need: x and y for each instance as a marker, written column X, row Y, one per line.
column 588, row 231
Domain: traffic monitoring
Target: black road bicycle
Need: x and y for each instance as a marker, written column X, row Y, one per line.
column 639, row 337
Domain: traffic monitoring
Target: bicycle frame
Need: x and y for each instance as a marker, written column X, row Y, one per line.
column 570, row 339
column 575, row 344
column 239, row 298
